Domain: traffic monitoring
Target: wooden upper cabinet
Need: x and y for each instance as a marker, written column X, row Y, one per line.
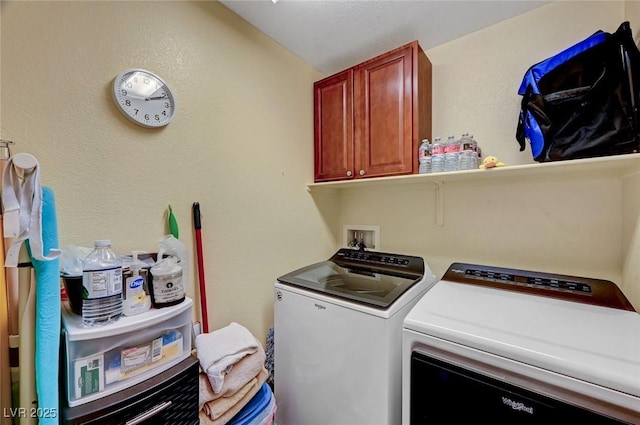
column 383, row 93
column 390, row 114
column 333, row 127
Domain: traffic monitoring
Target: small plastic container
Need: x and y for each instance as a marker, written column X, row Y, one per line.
column 73, row 287
column 165, row 283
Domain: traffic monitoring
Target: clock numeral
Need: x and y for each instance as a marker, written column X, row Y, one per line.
column 124, row 92
column 164, row 113
column 157, row 117
column 146, row 81
column 135, row 112
column 166, row 105
column 146, row 117
column 129, row 85
column 127, row 102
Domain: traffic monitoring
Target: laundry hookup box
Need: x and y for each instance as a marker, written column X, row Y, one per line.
column 102, row 360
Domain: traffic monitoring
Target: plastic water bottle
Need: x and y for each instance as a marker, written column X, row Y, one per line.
column 437, row 155
column 451, row 153
column 102, row 281
column 467, row 154
column 424, row 157
column 477, row 153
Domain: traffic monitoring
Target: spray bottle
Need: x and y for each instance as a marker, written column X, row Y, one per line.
column 136, row 299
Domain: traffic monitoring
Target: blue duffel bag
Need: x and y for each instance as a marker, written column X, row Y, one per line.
column 583, row 102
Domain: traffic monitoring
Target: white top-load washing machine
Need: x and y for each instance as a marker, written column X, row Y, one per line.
column 338, row 338
column 504, row 346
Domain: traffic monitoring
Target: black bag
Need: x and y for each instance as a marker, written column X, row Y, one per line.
column 583, row 102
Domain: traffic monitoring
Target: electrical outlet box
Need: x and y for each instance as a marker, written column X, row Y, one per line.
column 358, row 236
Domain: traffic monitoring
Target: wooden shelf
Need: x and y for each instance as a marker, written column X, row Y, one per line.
column 619, row 165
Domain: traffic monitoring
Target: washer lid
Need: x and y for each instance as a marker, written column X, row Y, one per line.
column 595, row 344
column 375, row 279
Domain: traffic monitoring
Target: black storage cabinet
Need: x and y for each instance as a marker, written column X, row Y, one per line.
column 169, row 398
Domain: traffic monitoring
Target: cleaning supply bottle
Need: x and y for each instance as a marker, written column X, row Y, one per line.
column 136, row 300
column 165, row 282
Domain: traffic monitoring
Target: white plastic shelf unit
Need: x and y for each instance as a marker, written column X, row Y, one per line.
column 620, row 165
column 82, row 345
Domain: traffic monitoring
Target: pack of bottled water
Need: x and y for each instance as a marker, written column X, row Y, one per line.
column 450, row 155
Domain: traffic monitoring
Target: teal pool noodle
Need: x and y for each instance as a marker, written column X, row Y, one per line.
column 47, row 315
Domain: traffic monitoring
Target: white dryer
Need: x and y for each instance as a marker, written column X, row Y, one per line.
column 504, row 346
column 338, row 338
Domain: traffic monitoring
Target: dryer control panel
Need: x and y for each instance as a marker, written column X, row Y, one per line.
column 571, row 288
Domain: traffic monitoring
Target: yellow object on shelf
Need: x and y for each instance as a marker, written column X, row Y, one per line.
column 491, row 162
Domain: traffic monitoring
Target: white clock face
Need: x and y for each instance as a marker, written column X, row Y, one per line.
column 144, row 98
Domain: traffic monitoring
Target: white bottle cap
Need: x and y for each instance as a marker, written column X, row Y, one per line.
column 102, row 243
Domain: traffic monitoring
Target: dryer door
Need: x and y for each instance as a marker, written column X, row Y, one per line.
column 458, row 395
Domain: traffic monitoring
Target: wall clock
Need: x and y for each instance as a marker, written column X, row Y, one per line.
column 144, row 98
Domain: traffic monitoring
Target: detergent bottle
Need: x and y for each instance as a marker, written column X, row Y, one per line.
column 136, row 300
column 165, row 282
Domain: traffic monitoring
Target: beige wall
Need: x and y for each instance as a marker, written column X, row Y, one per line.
column 632, row 14
column 568, row 225
column 241, row 144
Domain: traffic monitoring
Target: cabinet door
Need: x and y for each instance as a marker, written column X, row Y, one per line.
column 333, row 127
column 383, row 113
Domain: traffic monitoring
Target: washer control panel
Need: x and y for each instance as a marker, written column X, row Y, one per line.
column 379, row 260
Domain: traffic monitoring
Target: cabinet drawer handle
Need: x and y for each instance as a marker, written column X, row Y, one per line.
column 362, row 172
column 149, row 413
column 349, row 173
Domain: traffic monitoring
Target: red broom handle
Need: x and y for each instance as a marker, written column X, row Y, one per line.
column 203, row 289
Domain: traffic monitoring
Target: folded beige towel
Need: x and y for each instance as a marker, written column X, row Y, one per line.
column 242, row 372
column 219, row 350
column 216, row 408
column 230, row 411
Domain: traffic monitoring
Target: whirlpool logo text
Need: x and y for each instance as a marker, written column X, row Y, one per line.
column 516, row 405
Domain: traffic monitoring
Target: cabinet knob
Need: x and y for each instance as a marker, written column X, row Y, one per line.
column 362, row 172
column 349, row 173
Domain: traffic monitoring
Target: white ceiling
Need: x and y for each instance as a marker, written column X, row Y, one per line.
column 331, row 35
